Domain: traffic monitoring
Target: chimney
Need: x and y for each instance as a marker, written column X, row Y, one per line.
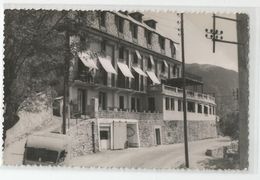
column 151, row 23
column 137, row 16
column 124, row 12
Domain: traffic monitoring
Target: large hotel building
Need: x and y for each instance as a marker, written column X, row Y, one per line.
column 126, row 78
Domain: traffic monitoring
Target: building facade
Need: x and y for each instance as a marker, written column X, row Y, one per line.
column 127, row 77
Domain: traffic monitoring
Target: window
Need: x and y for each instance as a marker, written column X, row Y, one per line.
column 138, row 104
column 205, row 110
column 167, row 103
column 162, row 42
column 179, row 105
column 172, row 104
column 134, row 30
column 119, row 21
column 45, row 155
column 121, row 102
column 103, row 18
column 178, row 72
column 121, row 52
column 191, row 106
column 173, row 49
column 149, row 63
column 103, row 46
column 163, row 67
column 210, row 109
column 120, row 25
column 135, row 58
column 148, row 36
column 102, row 100
column 199, row 108
column 133, row 103
column 104, row 135
column 174, row 70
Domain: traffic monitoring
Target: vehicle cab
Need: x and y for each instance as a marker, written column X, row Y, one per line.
column 45, row 149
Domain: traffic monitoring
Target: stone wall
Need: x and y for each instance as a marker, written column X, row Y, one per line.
column 172, row 131
column 197, row 130
column 147, row 132
column 81, row 138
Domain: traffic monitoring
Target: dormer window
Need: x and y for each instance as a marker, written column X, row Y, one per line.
column 119, row 23
column 103, row 18
column 137, row 16
column 148, row 36
column 151, row 23
column 173, row 49
column 162, row 42
column 124, row 12
column 134, row 30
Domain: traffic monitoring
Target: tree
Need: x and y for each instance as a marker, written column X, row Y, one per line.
column 229, row 125
column 34, row 54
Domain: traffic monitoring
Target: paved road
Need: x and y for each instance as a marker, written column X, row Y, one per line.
column 164, row 156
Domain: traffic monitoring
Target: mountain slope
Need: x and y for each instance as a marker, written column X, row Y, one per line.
column 220, row 81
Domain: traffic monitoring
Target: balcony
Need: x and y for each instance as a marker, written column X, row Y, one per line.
column 128, row 115
column 190, row 79
column 178, row 92
column 107, row 83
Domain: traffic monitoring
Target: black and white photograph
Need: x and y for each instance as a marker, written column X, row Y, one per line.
column 126, row 89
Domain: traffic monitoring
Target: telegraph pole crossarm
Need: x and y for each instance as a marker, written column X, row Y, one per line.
column 217, row 36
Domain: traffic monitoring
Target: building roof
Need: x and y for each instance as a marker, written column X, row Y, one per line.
column 178, row 82
column 51, row 141
column 131, row 19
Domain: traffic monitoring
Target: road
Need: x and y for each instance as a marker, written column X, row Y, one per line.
column 164, row 156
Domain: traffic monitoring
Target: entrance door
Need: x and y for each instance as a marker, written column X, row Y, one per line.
column 105, row 138
column 158, row 136
column 151, row 104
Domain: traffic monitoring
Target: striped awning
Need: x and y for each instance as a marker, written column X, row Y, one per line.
column 139, row 71
column 125, row 70
column 87, row 60
column 153, row 77
column 107, row 65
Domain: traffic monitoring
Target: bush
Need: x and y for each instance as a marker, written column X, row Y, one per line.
column 229, row 125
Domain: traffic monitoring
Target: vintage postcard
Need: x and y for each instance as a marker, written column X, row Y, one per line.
column 126, row 89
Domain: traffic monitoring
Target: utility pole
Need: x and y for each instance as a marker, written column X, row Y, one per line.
column 242, row 23
column 66, row 80
column 184, row 96
column 243, row 93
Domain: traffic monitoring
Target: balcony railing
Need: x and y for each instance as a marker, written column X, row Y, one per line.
column 178, row 92
column 128, row 115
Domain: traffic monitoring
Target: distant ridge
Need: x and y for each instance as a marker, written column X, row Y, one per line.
column 220, row 81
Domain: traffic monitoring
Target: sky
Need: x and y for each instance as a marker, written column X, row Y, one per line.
column 198, row 49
